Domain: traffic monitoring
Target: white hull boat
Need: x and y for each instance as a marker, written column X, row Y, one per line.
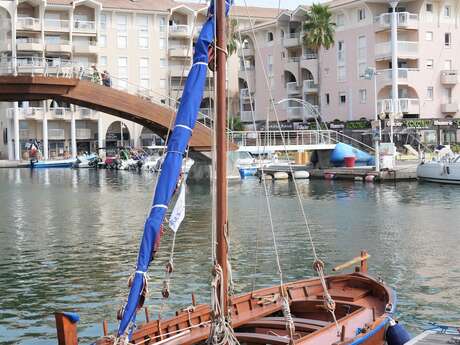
column 445, row 168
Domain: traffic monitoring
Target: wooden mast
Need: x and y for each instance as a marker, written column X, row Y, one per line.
column 221, row 151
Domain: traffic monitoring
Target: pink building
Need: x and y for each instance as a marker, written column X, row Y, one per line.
column 428, row 38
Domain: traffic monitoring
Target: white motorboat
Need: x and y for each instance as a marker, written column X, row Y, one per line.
column 443, row 168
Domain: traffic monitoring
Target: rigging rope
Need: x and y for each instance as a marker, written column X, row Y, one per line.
column 320, row 272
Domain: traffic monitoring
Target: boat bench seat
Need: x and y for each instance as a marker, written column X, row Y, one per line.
column 257, row 338
column 299, row 320
column 281, row 324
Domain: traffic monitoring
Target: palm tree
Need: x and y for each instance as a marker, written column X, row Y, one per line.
column 319, row 32
column 232, row 40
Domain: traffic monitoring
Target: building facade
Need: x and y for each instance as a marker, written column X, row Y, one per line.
column 428, row 37
column 146, row 45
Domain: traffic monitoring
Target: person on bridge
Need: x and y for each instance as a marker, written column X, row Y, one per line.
column 106, row 80
column 96, row 76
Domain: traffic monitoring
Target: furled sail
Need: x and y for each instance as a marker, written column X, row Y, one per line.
column 170, row 172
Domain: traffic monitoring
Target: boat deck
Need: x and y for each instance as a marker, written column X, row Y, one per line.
column 435, row 338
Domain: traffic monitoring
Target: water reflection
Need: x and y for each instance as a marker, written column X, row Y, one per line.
column 69, row 240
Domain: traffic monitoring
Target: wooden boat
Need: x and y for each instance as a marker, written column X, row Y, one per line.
column 363, row 309
column 341, row 309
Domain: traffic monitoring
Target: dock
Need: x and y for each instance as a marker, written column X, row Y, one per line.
column 14, row 164
column 404, row 171
column 436, row 337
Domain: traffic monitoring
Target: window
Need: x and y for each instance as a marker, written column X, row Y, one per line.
column 361, row 14
column 342, row 97
column 447, row 11
column 429, row 35
column 102, row 40
column 448, row 64
column 122, row 72
column 270, row 37
column 103, row 61
column 162, row 43
column 122, row 31
column 341, row 51
column 341, row 63
column 144, row 71
column 447, row 40
column 429, row 12
column 429, row 7
column 340, row 20
column 429, row 63
column 270, row 64
column 162, row 62
column 429, row 93
column 362, row 56
column 341, row 73
column 362, row 96
column 142, row 24
column 103, row 22
column 162, row 24
column 162, row 83
column 328, row 99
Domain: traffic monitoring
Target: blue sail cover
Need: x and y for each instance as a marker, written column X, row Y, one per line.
column 172, row 165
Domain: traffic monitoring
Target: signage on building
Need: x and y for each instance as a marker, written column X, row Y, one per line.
column 273, row 126
column 358, row 124
column 336, row 125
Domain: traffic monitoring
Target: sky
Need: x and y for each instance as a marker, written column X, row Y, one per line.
column 290, row 4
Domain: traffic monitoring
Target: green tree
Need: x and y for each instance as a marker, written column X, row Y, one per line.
column 319, row 32
column 232, row 39
column 235, row 124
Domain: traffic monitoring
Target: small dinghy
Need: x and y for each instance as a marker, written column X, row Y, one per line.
column 58, row 163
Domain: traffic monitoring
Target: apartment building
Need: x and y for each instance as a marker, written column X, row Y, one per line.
column 145, row 45
column 428, row 38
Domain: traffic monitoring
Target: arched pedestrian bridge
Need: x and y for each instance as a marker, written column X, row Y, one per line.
column 73, row 87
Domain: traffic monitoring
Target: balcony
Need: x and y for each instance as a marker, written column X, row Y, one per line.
column 31, row 113
column 385, row 76
column 56, row 134
column 86, row 113
column 295, row 113
column 178, row 71
column 449, row 108
column 449, row 77
column 291, row 40
column 28, row 24
column 246, row 51
column 59, row 113
column 58, row 47
column 179, row 31
column 245, row 94
column 292, row 88
column 406, row 105
column 405, row 20
column 89, row 47
column 180, row 51
column 84, row 26
column 406, row 49
column 309, row 86
column 246, row 116
column 30, row 44
column 59, row 25
column 83, row 133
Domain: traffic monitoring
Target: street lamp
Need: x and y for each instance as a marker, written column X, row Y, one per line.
column 369, row 74
column 306, row 105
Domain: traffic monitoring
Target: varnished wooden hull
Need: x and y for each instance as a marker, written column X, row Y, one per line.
column 363, row 306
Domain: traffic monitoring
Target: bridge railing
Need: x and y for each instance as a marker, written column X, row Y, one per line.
column 286, row 137
column 33, row 65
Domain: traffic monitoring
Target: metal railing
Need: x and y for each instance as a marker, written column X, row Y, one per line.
column 406, row 105
column 60, row 112
column 29, row 112
column 292, row 88
column 180, row 28
column 309, row 56
column 309, row 85
column 29, row 23
column 56, row 134
column 404, row 48
column 403, row 19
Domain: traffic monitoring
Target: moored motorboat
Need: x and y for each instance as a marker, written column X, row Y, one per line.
column 58, row 163
column 443, row 168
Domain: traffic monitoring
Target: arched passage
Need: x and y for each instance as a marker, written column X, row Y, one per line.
column 149, row 138
column 289, row 77
column 117, row 135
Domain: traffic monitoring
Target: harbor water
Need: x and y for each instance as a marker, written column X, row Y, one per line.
column 69, row 241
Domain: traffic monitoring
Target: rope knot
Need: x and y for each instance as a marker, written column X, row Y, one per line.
column 318, row 265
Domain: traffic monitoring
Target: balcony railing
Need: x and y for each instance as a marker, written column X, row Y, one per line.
column 292, row 88
column 28, row 23
column 293, row 59
column 406, row 105
column 244, row 93
column 309, row 86
column 180, row 51
column 404, row 20
column 56, row 134
column 291, row 39
column 386, row 75
column 405, row 48
column 85, row 113
column 60, row 46
column 180, row 29
column 60, row 113
column 87, row 47
column 246, row 115
column 451, row 107
column 85, row 26
column 25, row 134
column 309, row 56
column 27, row 113
column 29, row 44
column 57, row 24
column 449, row 77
